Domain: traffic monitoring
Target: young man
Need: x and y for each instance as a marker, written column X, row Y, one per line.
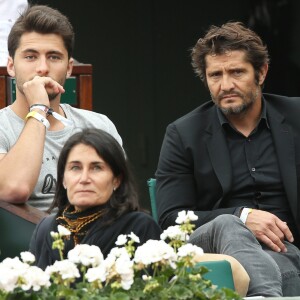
column 34, row 128
column 235, row 160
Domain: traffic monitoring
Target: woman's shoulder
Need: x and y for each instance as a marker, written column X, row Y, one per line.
column 139, row 215
column 46, row 223
column 41, row 233
column 135, row 221
column 140, row 223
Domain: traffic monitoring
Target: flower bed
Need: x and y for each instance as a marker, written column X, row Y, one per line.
column 158, row 269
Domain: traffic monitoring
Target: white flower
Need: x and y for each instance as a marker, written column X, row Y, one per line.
column 14, row 273
column 113, row 255
column 119, row 265
column 27, row 257
column 193, row 251
column 121, row 240
column 97, row 273
column 134, row 237
column 146, row 277
column 35, row 278
column 14, row 263
column 11, row 269
column 8, row 275
column 124, row 267
column 65, row 268
column 87, row 255
column 8, row 279
column 54, row 235
column 117, row 252
column 174, row 233
column 155, row 251
column 63, row 231
column 185, row 217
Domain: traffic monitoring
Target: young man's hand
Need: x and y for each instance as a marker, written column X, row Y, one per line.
column 39, row 88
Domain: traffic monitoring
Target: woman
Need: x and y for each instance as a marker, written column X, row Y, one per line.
column 97, row 201
column 95, row 198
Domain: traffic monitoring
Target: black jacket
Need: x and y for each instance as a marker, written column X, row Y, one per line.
column 194, row 170
column 139, row 223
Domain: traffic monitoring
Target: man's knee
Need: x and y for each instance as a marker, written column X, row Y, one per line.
column 226, row 220
column 227, row 223
column 222, row 231
column 230, row 230
column 223, row 224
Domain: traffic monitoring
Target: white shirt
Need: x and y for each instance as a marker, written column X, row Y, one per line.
column 10, row 10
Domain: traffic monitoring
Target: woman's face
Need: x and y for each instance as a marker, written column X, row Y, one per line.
column 88, row 179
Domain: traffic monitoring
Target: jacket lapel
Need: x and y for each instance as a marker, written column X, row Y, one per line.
column 219, row 154
column 284, row 144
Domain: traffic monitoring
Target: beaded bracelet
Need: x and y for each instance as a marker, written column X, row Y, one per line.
column 42, row 107
column 50, row 111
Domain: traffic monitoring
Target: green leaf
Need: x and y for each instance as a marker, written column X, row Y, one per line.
column 181, row 292
column 119, row 296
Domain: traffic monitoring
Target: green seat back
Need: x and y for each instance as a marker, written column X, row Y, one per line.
column 15, row 234
column 220, row 273
column 151, row 187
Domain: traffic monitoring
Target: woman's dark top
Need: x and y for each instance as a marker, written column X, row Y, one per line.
column 104, row 237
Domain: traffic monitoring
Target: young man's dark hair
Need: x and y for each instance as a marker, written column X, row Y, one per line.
column 41, row 19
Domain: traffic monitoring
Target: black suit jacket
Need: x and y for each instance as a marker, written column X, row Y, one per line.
column 194, row 169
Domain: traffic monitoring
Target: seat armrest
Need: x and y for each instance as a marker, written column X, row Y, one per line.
column 17, row 223
column 24, row 211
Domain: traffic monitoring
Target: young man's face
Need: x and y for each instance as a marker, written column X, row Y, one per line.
column 40, row 55
column 231, row 81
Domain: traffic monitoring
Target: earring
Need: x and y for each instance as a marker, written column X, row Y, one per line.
column 115, row 188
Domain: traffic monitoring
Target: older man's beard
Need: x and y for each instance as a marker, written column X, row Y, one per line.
column 236, row 110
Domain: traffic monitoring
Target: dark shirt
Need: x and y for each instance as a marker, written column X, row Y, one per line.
column 256, row 179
